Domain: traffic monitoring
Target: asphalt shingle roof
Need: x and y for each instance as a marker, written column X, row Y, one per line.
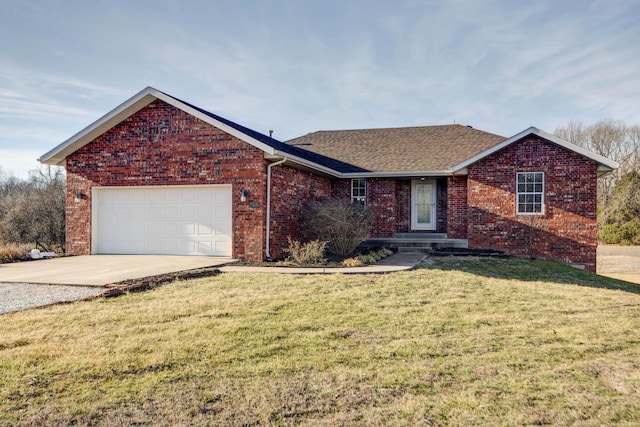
column 409, row 149
column 333, row 163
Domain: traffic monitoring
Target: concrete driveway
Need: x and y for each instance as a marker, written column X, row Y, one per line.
column 101, row 270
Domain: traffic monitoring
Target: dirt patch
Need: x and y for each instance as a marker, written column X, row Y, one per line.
column 148, row 282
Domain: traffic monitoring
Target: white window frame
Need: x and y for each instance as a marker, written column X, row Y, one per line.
column 359, row 192
column 534, row 188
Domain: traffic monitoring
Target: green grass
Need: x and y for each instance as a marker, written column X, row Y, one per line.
column 471, row 342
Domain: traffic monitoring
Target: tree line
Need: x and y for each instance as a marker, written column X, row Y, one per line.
column 619, row 191
column 32, row 211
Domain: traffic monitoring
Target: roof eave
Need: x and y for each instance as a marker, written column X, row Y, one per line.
column 397, row 174
column 58, row 155
column 601, row 160
column 278, row 155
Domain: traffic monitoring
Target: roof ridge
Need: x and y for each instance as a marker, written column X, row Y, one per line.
column 398, row 128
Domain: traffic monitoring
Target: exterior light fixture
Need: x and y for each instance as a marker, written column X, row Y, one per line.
column 78, row 198
column 243, row 195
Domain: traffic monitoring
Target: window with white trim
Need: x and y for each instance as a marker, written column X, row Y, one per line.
column 359, row 191
column 530, row 193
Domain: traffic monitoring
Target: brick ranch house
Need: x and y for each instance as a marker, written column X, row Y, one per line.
column 158, row 175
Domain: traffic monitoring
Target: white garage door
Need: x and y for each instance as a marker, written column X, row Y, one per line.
column 162, row 220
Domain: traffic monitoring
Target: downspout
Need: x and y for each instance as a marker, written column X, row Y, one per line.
column 268, row 240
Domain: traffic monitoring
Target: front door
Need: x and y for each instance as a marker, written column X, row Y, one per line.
column 423, row 204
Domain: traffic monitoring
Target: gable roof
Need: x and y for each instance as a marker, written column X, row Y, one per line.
column 272, row 147
column 604, row 164
column 391, row 152
column 424, row 150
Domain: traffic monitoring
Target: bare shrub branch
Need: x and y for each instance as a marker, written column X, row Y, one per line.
column 341, row 224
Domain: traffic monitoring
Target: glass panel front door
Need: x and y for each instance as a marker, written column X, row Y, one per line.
column 423, row 205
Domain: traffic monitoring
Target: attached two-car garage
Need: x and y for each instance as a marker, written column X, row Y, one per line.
column 172, row 220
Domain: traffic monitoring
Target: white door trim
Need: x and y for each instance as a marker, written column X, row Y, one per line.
column 417, row 218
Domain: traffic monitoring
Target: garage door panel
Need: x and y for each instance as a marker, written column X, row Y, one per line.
column 188, row 213
column 205, row 246
column 137, row 213
column 222, row 246
column 175, row 220
column 137, row 246
column 172, row 195
column 204, row 230
column 153, row 229
column 189, row 195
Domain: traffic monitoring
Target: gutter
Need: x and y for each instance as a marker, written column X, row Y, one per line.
column 267, row 239
column 336, row 174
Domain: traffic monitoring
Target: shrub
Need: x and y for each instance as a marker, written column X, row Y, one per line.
column 620, row 218
column 306, row 253
column 10, row 252
column 352, row 262
column 627, row 233
column 343, row 225
column 370, row 258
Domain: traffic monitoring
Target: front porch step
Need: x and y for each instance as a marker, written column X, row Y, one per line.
column 413, row 242
column 420, row 235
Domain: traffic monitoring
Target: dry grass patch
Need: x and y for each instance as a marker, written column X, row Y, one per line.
column 11, row 252
column 454, row 343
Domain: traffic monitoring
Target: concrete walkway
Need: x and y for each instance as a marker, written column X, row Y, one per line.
column 397, row 262
column 101, row 270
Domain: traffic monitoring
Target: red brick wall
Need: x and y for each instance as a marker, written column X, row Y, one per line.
column 390, row 199
column 382, row 198
column 457, row 210
column 341, row 189
column 291, row 189
column 566, row 232
column 404, row 206
column 442, row 198
column 162, row 145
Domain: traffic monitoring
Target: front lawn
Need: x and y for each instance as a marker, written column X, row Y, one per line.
column 457, row 342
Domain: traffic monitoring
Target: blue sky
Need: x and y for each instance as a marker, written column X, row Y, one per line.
column 297, row 66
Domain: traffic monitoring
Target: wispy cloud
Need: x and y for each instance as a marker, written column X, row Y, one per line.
column 299, row 66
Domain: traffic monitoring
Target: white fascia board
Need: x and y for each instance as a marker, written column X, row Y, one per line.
column 535, row 131
column 400, row 174
column 612, row 164
column 58, row 155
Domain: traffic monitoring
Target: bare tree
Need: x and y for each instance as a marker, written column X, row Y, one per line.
column 609, row 138
column 33, row 211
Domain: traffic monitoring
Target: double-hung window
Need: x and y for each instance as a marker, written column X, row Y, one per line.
column 359, row 191
column 530, row 193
